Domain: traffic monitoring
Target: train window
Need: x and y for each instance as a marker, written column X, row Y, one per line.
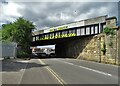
column 64, row 32
column 70, row 31
column 96, row 29
column 92, row 29
column 33, row 38
column 78, row 32
column 99, row 27
column 87, row 30
column 82, row 31
column 37, row 38
column 73, row 31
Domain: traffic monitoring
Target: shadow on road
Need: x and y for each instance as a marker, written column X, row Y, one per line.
column 53, row 57
column 15, row 66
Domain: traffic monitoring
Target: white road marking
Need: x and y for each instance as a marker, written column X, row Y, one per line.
column 97, row 71
column 23, row 73
column 60, row 80
column 71, row 63
column 23, row 61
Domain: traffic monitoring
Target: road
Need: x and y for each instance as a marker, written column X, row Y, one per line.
column 58, row 71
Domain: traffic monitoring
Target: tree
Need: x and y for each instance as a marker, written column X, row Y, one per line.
column 6, row 32
column 20, row 32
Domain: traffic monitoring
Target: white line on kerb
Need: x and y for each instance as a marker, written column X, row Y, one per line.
column 97, row 71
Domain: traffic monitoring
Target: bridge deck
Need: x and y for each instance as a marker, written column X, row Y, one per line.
column 62, row 35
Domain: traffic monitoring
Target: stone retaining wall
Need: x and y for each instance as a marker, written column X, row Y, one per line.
column 89, row 47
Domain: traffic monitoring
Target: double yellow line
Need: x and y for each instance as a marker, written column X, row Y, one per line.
column 60, row 80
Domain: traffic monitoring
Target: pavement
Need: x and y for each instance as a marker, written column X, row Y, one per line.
column 0, row 71
column 26, row 72
column 58, row 71
column 12, row 71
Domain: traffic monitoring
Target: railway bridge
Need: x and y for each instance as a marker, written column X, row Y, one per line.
column 71, row 39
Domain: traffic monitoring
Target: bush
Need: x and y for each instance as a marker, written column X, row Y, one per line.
column 104, row 48
column 23, row 54
column 109, row 31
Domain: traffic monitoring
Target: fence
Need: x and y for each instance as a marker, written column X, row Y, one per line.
column 9, row 49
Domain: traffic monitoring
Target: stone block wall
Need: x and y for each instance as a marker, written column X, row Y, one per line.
column 111, row 46
column 90, row 51
column 73, row 47
column 118, row 45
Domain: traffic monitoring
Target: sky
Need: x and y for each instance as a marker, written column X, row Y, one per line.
column 46, row 14
column 50, row 14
